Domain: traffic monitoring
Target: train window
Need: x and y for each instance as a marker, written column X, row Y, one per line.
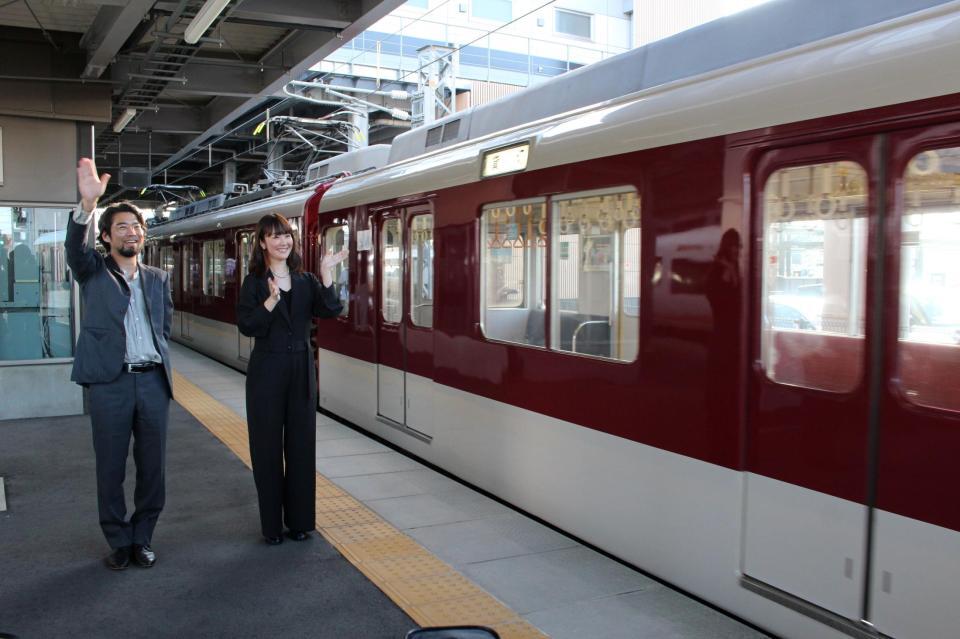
column 335, row 239
column 513, row 271
column 814, row 272
column 421, row 270
column 245, row 252
column 166, row 259
column 213, row 268
column 391, row 271
column 929, row 332
column 186, row 261
column 595, row 279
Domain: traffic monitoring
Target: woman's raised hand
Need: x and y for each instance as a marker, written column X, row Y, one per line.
column 331, row 259
column 271, row 301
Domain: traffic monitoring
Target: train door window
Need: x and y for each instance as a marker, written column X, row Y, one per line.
column 596, row 257
column 929, row 331
column 814, row 275
column 213, row 268
column 335, row 239
column 421, row 270
column 391, row 271
column 166, row 259
column 245, row 244
column 185, row 261
column 512, row 271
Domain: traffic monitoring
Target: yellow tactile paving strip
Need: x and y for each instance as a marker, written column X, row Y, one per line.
column 427, row 589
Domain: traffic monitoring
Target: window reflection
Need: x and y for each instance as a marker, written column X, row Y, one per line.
column 213, row 268
column 421, row 274
column 36, row 307
column 391, row 296
column 814, row 275
column 335, row 239
column 929, row 329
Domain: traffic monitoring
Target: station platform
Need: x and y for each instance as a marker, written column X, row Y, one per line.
column 400, row 545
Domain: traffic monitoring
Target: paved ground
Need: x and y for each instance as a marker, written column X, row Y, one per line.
column 213, row 578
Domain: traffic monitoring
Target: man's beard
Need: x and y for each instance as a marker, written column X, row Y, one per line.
column 129, row 251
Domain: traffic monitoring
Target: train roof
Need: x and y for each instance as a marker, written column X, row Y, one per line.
column 761, row 31
column 908, row 58
column 289, row 204
column 247, row 208
column 370, row 157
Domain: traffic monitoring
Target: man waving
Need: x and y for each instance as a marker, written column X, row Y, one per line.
column 123, row 360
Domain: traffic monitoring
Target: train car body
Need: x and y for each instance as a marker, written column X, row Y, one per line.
column 700, row 327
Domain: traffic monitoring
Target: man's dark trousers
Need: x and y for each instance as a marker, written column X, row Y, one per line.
column 137, row 404
column 122, row 403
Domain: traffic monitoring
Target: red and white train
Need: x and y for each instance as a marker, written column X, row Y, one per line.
column 708, row 327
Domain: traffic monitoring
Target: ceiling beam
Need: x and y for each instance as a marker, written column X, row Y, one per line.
column 298, row 53
column 109, row 31
column 292, row 14
column 201, row 79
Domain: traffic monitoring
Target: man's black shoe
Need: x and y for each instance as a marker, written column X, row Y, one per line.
column 298, row 535
column 144, row 556
column 273, row 541
column 118, row 559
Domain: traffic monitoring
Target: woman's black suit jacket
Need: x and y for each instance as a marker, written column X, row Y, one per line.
column 282, row 331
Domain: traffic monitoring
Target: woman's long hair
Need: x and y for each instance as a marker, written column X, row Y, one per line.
column 274, row 224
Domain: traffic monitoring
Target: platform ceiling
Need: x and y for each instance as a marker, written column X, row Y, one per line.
column 188, row 98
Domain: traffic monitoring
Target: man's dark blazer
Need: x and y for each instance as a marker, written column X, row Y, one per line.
column 102, row 345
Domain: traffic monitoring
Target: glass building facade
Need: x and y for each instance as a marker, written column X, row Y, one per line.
column 36, row 297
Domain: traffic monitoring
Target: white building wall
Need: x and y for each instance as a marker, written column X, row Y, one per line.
column 453, row 23
column 658, row 19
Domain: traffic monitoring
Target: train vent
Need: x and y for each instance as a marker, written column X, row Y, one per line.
column 434, row 136
column 443, row 133
column 451, row 130
column 317, row 171
column 200, row 206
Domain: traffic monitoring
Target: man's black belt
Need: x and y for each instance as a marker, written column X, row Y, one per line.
column 140, row 367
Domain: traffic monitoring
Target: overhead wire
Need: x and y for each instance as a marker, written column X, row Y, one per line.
column 259, row 115
column 388, row 38
column 463, row 46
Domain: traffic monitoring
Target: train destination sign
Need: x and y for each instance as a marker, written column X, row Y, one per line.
column 507, row 160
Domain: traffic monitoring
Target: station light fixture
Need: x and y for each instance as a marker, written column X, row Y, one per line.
column 124, row 119
column 202, row 21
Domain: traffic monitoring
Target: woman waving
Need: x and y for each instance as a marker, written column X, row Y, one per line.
column 277, row 303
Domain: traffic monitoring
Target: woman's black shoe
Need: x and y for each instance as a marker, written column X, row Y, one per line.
column 273, row 541
column 298, row 535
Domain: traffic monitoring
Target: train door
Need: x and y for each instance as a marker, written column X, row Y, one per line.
column 405, row 319
column 916, row 524
column 812, row 384
column 244, row 247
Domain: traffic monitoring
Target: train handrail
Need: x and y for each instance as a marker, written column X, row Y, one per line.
column 573, row 340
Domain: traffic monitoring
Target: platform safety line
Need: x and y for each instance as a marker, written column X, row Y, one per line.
column 429, row 590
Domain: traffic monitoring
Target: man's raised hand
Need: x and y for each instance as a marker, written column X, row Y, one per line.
column 90, row 186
